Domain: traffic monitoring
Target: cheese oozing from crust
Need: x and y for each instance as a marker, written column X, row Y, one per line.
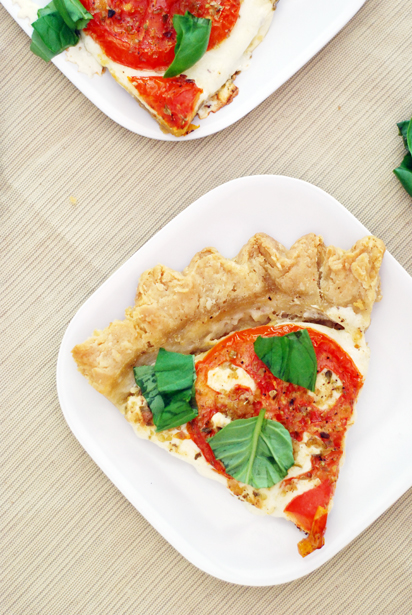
column 216, row 66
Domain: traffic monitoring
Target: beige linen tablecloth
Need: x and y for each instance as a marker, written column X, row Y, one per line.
column 81, row 195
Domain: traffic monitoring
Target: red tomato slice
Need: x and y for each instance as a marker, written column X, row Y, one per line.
column 140, row 33
column 302, row 509
column 173, row 99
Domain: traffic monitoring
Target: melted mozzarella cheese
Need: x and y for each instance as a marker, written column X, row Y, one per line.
column 225, row 377
column 327, row 391
column 28, row 9
column 86, row 62
column 219, row 420
column 218, row 64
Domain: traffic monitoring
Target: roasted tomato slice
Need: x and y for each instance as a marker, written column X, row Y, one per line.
column 140, row 33
column 173, row 99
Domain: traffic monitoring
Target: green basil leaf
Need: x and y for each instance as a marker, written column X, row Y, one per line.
column 404, row 173
column 290, row 357
column 192, row 39
column 403, row 131
column 54, row 34
column 168, row 387
column 145, row 378
column 73, row 13
column 174, row 371
column 256, row 451
column 176, row 413
column 49, row 8
column 39, row 48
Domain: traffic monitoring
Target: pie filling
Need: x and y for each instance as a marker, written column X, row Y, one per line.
column 233, row 383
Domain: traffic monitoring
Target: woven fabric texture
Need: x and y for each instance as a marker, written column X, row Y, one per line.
column 79, row 195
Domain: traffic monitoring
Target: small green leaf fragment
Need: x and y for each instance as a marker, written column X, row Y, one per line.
column 409, row 137
column 404, row 173
column 403, row 130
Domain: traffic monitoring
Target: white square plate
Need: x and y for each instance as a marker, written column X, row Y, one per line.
column 299, row 30
column 198, row 516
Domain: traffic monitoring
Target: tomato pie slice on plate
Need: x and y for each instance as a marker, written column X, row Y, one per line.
column 249, row 368
column 177, row 58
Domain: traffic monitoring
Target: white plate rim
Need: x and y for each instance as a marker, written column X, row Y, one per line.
column 219, row 124
column 150, row 513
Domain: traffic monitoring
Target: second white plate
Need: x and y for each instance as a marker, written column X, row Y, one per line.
column 298, row 31
column 197, row 516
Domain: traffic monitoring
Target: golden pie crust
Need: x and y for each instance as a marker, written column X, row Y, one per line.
column 189, row 311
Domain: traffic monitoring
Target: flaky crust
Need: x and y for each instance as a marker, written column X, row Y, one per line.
column 188, row 311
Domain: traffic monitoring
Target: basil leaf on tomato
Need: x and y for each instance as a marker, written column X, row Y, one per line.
column 174, row 371
column 290, row 357
column 51, row 36
column 255, row 451
column 168, row 388
column 192, row 39
column 73, row 13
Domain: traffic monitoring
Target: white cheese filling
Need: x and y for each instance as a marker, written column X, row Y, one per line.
column 86, row 62
column 225, row 377
column 328, row 389
column 28, row 9
column 219, row 420
column 216, row 66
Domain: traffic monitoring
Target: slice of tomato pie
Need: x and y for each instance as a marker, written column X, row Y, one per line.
column 249, row 368
column 136, row 41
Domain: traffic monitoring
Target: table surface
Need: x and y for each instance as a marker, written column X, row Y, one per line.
column 81, row 195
